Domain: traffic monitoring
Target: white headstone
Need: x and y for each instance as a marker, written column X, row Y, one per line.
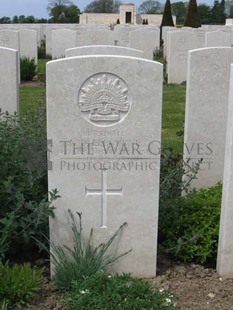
column 96, row 37
column 9, row 89
column 206, row 112
column 121, row 34
column 9, row 39
column 165, row 30
column 145, row 40
column 62, row 39
column 218, row 38
column 28, row 44
column 103, row 50
column 179, row 43
column 225, row 243
column 105, row 160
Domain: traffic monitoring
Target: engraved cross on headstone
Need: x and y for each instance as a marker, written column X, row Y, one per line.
column 103, row 192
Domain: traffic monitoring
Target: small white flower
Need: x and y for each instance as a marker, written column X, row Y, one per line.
column 168, row 300
column 109, row 276
column 84, row 292
column 161, row 290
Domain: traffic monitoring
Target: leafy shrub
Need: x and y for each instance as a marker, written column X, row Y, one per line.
column 173, row 168
column 190, row 229
column 83, row 260
column 158, row 56
column 112, row 291
column 18, row 285
column 28, row 69
column 42, row 50
column 23, row 183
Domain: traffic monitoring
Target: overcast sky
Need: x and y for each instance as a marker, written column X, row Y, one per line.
column 37, row 8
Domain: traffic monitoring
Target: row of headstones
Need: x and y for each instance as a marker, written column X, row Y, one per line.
column 24, row 41
column 136, row 37
column 60, row 37
column 105, row 159
column 107, row 138
column 177, row 43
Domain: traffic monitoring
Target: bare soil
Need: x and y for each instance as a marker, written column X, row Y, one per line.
column 196, row 288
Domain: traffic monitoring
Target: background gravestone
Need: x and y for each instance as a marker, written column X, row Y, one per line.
column 28, row 44
column 9, row 89
column 105, row 156
column 225, row 244
column 218, row 38
column 10, row 39
column 145, row 40
column 206, row 112
column 179, row 43
column 62, row 39
column 103, row 50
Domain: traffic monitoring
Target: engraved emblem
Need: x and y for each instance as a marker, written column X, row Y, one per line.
column 103, row 99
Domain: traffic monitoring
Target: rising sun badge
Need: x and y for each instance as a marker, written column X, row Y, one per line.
column 103, row 99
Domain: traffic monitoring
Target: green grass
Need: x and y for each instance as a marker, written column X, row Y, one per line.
column 173, row 110
column 30, row 96
column 41, row 65
column 173, row 117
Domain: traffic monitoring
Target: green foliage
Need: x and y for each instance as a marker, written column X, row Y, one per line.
column 179, row 9
column 150, row 7
column 158, row 56
column 81, row 261
column 28, row 69
column 103, row 6
column 173, row 117
column 63, row 11
column 30, row 96
column 167, row 15
column 218, row 12
column 18, row 285
column 192, row 18
column 23, row 184
column 189, row 230
column 119, row 292
column 205, row 13
column 42, row 50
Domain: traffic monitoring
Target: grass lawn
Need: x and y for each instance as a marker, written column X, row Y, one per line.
column 30, row 96
column 173, row 117
column 41, row 65
column 173, row 110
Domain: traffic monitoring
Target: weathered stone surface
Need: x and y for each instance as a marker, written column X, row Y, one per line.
column 104, row 122
column 206, row 112
column 103, row 50
column 225, row 243
column 9, row 91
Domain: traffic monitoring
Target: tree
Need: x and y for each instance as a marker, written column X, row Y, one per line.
column 205, row 13
column 15, row 19
column 192, row 18
column 63, row 11
column 30, row 19
column 150, row 7
column 167, row 15
column 229, row 8
column 21, row 19
column 103, row 6
column 5, row 20
column 179, row 9
column 218, row 12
